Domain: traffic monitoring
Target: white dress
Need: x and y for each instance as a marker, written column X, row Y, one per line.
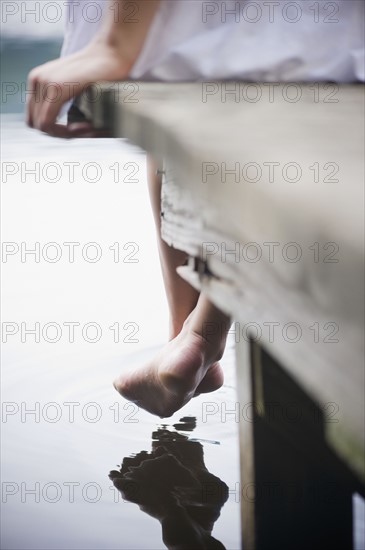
column 259, row 41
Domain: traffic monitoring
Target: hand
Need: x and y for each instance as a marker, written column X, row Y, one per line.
column 53, row 84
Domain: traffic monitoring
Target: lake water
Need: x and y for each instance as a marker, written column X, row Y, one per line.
column 83, row 300
column 87, row 303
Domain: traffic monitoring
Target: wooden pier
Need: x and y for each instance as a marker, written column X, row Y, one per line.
column 264, row 189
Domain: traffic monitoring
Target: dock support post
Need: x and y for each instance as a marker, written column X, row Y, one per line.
column 294, row 492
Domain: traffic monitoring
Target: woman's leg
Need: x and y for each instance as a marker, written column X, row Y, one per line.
column 181, row 297
column 188, row 364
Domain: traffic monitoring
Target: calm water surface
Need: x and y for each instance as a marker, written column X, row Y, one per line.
column 83, row 468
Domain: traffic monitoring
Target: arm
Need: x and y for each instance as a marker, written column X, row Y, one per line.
column 110, row 56
column 128, row 33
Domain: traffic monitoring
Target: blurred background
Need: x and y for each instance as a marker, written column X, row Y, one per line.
column 30, row 36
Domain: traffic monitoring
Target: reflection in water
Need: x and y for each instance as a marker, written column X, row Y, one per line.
column 172, row 484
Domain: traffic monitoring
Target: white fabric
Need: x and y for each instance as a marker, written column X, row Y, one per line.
column 264, row 41
column 83, row 21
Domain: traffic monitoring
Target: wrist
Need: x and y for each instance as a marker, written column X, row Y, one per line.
column 116, row 63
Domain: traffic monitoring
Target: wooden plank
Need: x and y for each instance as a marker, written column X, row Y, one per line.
column 291, row 481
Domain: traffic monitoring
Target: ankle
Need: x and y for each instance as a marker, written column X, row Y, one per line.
column 179, row 325
column 174, row 330
column 212, row 346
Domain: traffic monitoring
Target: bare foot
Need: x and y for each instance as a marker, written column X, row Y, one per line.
column 186, row 366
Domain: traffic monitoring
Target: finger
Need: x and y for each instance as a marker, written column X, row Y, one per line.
column 80, row 126
column 31, row 98
column 37, row 103
column 62, row 131
column 53, row 97
column 55, row 130
column 50, row 103
column 86, row 129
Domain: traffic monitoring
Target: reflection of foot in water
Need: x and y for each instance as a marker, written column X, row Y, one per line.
column 172, row 484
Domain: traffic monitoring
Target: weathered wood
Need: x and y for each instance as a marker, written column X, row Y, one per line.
column 208, row 212
column 291, row 481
